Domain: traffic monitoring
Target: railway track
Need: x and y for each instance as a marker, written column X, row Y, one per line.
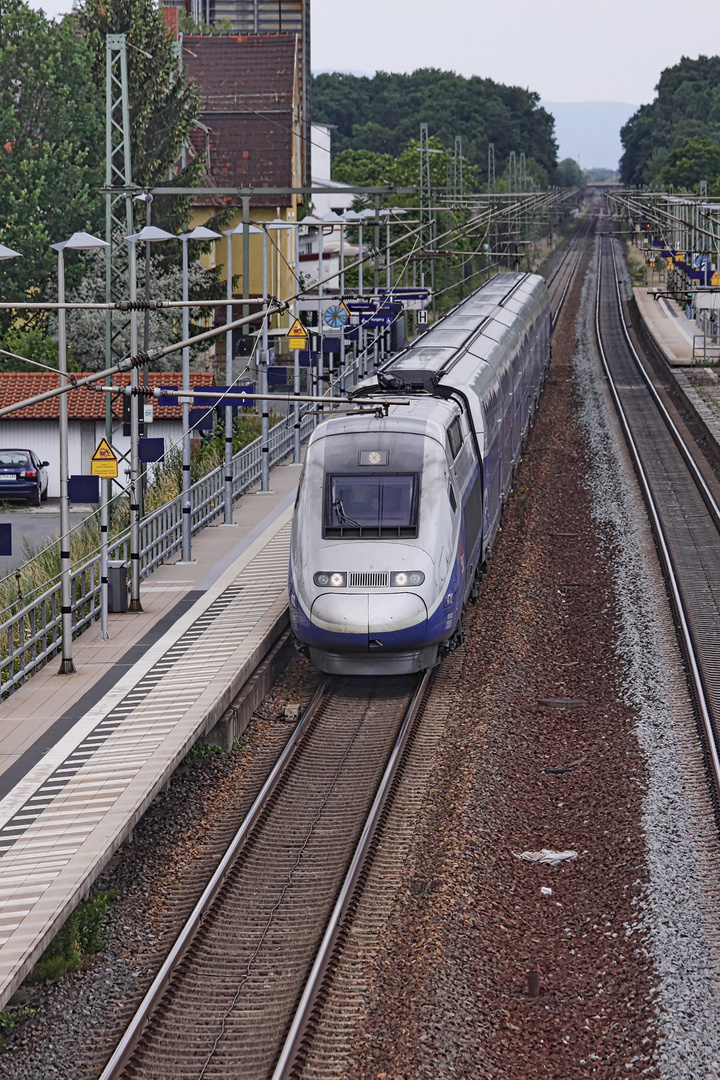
column 561, row 277
column 235, row 995
column 683, row 512
column 238, row 993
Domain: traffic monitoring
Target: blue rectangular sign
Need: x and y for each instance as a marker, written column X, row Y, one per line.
column 201, row 419
column 5, row 539
column 221, row 402
column 84, row 489
column 168, row 402
column 151, row 449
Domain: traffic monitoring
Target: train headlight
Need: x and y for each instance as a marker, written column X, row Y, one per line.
column 332, row 579
column 400, row 579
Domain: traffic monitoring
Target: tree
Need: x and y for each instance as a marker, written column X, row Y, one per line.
column 382, row 114
column 164, row 105
column 687, row 106
column 51, row 152
column 569, row 173
column 86, row 327
column 697, row 159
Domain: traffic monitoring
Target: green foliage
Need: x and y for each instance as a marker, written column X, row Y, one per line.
column 221, row 28
column 569, row 173
column 164, row 105
column 51, row 150
column 32, row 342
column 597, row 176
column 382, row 115
column 366, row 167
column 201, row 751
column 80, row 938
column 687, row 106
column 12, row 1017
column 86, row 327
column 697, row 159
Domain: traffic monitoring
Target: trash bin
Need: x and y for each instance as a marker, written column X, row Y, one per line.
column 117, row 586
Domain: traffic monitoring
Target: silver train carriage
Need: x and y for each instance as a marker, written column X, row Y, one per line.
column 396, row 516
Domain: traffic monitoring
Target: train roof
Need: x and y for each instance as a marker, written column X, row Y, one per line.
column 483, row 326
column 424, row 415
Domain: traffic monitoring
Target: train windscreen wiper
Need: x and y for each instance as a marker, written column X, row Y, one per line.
column 340, row 511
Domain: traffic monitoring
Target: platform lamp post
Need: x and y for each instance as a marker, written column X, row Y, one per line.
column 148, row 234
column 239, row 230
column 352, row 217
column 278, row 225
column 199, row 233
column 79, row 241
column 316, row 223
column 263, row 373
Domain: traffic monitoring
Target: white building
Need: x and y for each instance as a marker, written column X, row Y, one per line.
column 36, row 427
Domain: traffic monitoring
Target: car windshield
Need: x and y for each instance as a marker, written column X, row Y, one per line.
column 372, row 505
column 13, row 457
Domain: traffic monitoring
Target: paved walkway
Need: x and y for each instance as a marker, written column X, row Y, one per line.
column 666, row 323
column 673, row 334
column 83, row 756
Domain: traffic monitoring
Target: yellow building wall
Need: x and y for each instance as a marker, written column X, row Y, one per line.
column 281, row 252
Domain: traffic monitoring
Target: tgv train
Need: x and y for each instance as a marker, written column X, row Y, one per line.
column 396, row 515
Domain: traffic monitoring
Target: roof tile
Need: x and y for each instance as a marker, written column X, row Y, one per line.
column 83, row 403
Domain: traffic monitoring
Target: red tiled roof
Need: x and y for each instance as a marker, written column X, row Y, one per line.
column 247, row 86
column 83, row 403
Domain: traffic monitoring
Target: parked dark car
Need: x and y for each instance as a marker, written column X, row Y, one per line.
column 23, row 476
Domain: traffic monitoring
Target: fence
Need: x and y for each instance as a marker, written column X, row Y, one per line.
column 32, row 636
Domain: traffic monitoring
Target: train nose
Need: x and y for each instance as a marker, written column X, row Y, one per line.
column 378, row 619
column 341, row 614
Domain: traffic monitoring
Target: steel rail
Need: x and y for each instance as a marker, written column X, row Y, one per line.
column 582, row 231
column 150, row 1002
column 313, row 986
column 581, row 236
column 667, row 561
column 682, row 446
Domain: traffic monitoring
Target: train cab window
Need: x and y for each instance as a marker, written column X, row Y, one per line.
column 455, row 437
column 365, row 506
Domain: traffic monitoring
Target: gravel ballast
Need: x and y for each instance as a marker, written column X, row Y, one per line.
column 573, row 608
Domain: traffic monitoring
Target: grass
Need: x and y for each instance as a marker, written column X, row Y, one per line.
column 636, row 263
column 80, row 938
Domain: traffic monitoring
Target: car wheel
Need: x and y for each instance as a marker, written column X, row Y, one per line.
column 36, row 499
column 44, row 495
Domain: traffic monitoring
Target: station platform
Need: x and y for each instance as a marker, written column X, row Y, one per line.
column 83, row 756
column 698, row 383
column 668, row 327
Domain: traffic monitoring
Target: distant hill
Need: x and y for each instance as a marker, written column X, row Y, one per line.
column 589, row 131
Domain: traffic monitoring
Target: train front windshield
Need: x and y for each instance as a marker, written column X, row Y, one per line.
column 371, row 505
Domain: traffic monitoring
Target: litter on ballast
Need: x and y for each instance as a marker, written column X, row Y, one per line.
column 551, row 858
column 545, row 891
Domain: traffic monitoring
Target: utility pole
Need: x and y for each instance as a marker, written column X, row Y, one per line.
column 512, row 190
column 118, row 224
column 458, row 170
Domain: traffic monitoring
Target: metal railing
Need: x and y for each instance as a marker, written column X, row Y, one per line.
column 31, row 636
column 705, row 350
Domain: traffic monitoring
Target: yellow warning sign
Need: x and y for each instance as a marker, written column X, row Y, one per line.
column 297, row 336
column 103, row 462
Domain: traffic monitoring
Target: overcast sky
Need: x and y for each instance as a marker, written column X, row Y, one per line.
column 565, row 50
